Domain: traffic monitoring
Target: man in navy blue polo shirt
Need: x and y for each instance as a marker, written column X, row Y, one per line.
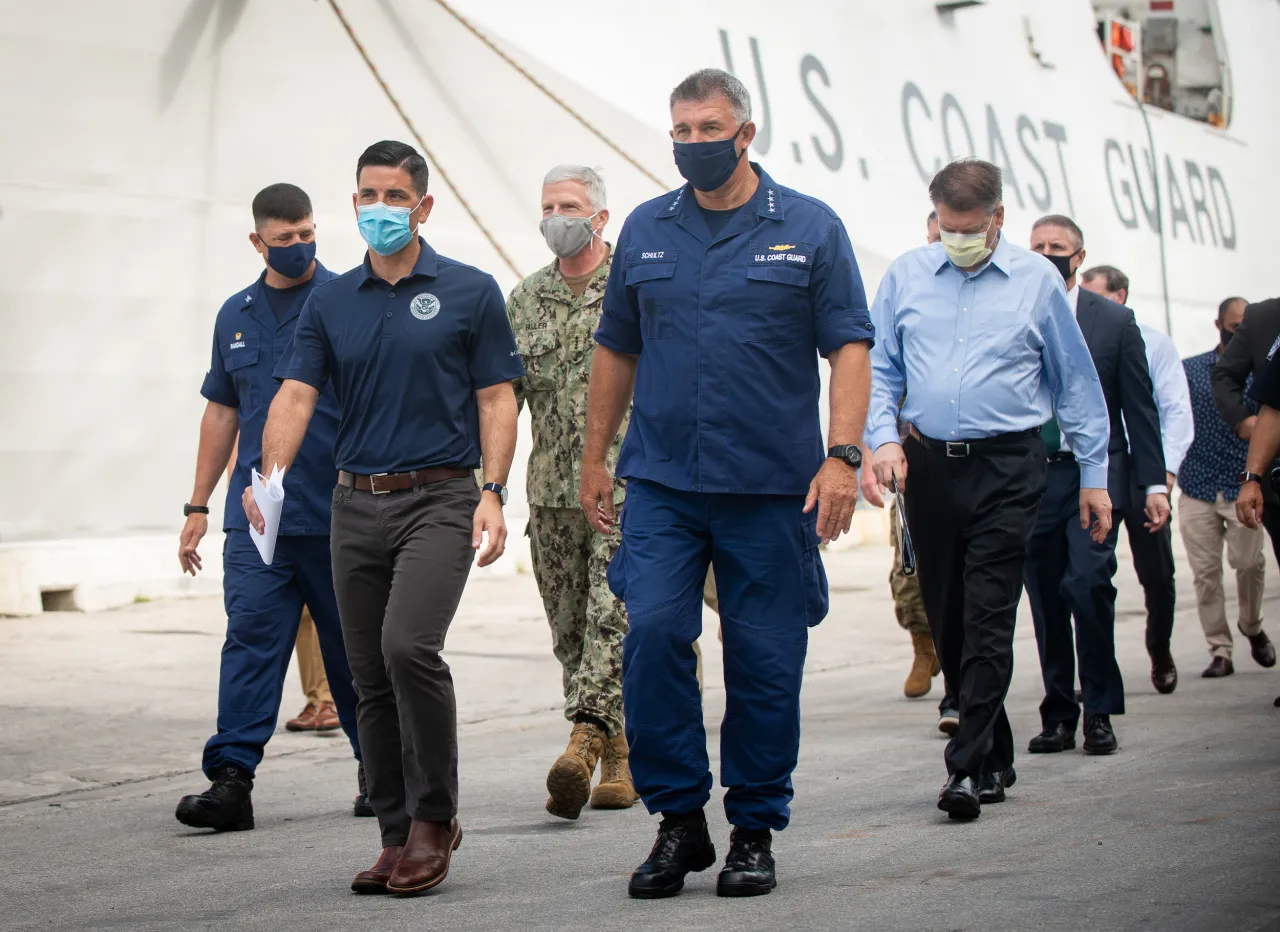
column 263, row 603
column 421, row 356
column 721, row 298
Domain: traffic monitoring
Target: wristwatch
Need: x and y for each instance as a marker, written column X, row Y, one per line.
column 499, row 490
column 1247, row 476
column 189, row 510
column 851, row 453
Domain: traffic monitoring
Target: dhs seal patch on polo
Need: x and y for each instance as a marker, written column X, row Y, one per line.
column 424, row 306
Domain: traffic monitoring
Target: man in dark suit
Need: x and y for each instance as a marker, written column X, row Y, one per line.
column 1068, row 575
column 1245, row 354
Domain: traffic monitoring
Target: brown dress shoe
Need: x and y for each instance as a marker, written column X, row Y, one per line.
column 424, row 860
column 1260, row 646
column 306, row 720
column 1219, row 666
column 327, row 717
column 374, row 880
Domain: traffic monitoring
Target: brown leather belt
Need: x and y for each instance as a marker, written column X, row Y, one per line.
column 382, row 483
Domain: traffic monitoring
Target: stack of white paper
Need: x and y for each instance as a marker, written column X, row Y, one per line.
column 268, row 494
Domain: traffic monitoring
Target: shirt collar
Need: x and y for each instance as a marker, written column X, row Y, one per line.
column 1073, row 298
column 767, row 201
column 427, row 265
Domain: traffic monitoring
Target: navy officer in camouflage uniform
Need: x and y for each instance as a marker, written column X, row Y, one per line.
column 554, row 313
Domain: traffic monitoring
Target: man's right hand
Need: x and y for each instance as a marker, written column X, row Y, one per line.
column 1249, row 505
column 870, row 487
column 595, row 495
column 890, row 466
column 192, row 533
column 251, row 511
column 1098, row 502
column 1244, row 430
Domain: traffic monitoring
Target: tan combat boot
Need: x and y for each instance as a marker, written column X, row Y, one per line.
column 923, row 669
column 616, row 791
column 569, row 781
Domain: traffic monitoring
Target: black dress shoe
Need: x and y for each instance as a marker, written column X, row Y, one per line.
column 1260, row 646
column 1164, row 673
column 1219, row 666
column 683, row 845
column 959, row 798
column 748, row 870
column 1098, row 736
column 1053, row 739
column 992, row 785
column 226, row 806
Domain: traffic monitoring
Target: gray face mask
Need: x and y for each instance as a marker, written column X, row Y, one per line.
column 566, row 236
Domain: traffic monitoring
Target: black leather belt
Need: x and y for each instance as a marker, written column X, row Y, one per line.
column 382, row 483
column 957, row 449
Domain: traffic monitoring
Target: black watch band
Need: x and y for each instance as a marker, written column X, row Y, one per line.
column 1247, row 476
column 851, row 453
column 188, row 510
column 496, row 489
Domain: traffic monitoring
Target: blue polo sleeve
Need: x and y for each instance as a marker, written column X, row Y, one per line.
column 494, row 357
column 619, row 328
column 218, row 386
column 307, row 358
column 840, row 313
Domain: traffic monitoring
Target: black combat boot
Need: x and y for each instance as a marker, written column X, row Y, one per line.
column 683, row 845
column 748, row 870
column 226, row 806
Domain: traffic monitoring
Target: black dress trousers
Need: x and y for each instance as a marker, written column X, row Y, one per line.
column 970, row 510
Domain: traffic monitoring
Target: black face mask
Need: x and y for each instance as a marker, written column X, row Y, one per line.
column 1226, row 337
column 1062, row 263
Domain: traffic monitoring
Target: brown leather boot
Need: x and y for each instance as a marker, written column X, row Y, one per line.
column 569, row 781
column 374, row 880
column 923, row 669
column 616, row 791
column 424, row 860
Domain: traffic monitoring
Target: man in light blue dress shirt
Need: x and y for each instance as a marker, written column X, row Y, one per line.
column 980, row 333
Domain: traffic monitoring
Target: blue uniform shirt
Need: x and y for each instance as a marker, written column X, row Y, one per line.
column 247, row 344
column 405, row 361
column 728, row 329
column 984, row 353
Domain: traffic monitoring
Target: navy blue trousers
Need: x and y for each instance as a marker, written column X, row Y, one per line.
column 1068, row 577
column 264, row 607
column 772, row 588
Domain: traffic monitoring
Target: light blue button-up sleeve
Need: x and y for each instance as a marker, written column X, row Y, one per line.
column 1073, row 385
column 888, row 373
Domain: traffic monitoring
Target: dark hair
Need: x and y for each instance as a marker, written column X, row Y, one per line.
column 1116, row 279
column 1225, row 306
column 394, row 154
column 282, row 201
column 967, row 184
column 1061, row 220
column 933, row 216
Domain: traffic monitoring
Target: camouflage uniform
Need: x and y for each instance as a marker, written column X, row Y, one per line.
column 554, row 331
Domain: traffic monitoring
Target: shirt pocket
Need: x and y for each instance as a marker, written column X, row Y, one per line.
column 652, row 283
column 778, row 305
column 539, row 349
column 240, row 352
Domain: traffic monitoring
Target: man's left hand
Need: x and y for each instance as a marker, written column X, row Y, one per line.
column 489, row 521
column 1157, row 512
column 835, row 491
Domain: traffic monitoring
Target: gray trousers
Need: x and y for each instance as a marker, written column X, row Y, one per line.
column 400, row 562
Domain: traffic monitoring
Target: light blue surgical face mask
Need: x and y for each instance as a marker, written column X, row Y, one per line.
column 386, row 229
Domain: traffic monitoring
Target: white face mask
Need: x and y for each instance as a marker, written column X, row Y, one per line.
column 966, row 249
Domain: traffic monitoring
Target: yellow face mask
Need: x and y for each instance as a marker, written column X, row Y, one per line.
column 966, row 249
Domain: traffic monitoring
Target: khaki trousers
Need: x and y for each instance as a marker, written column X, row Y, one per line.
column 1204, row 526
column 315, row 685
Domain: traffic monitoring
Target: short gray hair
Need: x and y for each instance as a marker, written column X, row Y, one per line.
column 589, row 178
column 712, row 82
column 1062, row 220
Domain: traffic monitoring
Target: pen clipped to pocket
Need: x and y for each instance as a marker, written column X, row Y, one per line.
column 904, row 536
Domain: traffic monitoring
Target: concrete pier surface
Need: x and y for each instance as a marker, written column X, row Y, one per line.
column 103, row 716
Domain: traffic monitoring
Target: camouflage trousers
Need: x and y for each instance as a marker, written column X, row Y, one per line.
column 908, row 603
column 587, row 620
